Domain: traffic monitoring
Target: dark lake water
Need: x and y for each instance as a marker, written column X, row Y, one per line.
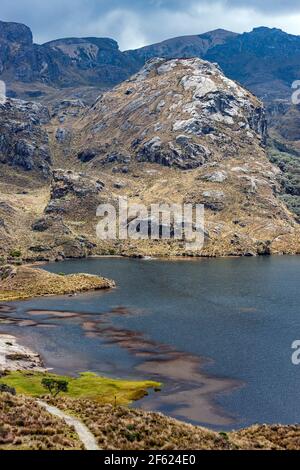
column 217, row 333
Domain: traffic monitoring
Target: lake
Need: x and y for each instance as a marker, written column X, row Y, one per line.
column 216, row 332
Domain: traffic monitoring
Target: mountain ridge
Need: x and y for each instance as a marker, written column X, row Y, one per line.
column 265, row 60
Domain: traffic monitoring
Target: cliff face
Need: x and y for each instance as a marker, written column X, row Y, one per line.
column 66, row 62
column 24, row 143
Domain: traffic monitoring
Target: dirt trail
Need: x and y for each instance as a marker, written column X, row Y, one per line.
column 83, row 432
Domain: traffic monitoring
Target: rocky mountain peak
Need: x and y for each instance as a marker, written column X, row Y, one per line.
column 105, row 43
column 16, row 33
column 179, row 112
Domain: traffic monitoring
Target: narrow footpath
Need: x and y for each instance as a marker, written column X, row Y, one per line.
column 83, row 432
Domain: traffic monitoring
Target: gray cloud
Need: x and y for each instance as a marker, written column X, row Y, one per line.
column 138, row 22
column 273, row 6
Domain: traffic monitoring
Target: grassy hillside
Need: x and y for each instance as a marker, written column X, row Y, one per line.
column 27, row 426
column 24, row 425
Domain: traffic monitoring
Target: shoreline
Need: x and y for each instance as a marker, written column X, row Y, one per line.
column 36, row 264
column 14, row 356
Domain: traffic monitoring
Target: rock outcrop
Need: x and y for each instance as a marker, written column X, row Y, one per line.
column 182, row 113
column 69, row 189
column 24, row 142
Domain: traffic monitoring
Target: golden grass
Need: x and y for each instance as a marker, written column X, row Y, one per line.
column 121, row 428
column 29, row 282
column 24, row 425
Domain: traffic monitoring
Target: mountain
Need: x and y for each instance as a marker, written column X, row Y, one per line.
column 182, row 47
column 93, row 61
column 72, row 62
column 33, row 69
column 179, row 131
column 178, row 113
column 265, row 60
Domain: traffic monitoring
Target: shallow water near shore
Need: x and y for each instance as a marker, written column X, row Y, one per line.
column 216, row 332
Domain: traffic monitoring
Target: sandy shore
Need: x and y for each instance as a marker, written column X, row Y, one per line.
column 14, row 357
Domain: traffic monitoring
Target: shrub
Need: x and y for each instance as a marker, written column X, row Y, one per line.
column 6, row 389
column 55, row 387
column 15, row 254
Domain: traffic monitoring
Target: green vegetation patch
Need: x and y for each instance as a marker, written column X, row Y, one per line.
column 87, row 385
column 289, row 164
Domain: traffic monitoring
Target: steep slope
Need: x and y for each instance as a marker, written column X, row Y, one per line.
column 181, row 115
column 94, row 61
column 21, row 60
column 32, row 70
column 265, row 60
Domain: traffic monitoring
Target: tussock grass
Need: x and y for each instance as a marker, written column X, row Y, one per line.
column 29, row 282
column 24, row 425
column 122, row 428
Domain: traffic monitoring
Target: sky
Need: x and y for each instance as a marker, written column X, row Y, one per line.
column 135, row 23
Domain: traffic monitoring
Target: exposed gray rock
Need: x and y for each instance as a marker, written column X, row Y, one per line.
column 70, row 192
column 72, row 107
column 65, row 182
column 87, row 155
column 117, row 158
column 213, row 200
column 215, row 177
column 183, row 113
column 23, row 141
column 63, row 135
column 42, row 225
column 186, row 154
column 23, row 155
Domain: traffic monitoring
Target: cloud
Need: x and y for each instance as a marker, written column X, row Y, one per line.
column 136, row 23
column 270, row 6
